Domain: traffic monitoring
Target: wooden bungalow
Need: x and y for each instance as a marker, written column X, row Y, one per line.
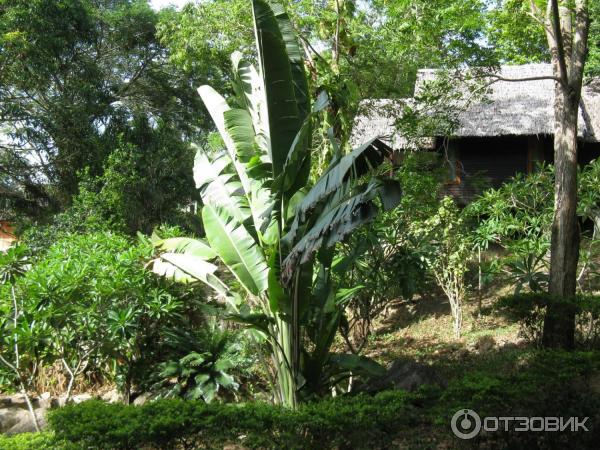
column 508, row 131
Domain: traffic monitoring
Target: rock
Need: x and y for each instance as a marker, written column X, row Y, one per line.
column 81, row 398
column 78, row 398
column 46, row 400
column 15, row 416
column 112, row 396
column 18, row 401
column 61, row 401
column 25, row 425
column 143, row 398
column 406, row 375
column 11, row 416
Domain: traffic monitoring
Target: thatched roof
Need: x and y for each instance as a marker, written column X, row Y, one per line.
column 509, row 109
column 378, row 118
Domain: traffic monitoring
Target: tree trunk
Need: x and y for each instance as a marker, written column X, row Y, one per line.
column 559, row 324
column 71, row 380
column 456, row 306
column 567, row 30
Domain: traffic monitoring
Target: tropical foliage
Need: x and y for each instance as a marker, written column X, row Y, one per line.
column 96, row 314
column 203, row 371
column 274, row 232
column 238, row 258
column 518, row 217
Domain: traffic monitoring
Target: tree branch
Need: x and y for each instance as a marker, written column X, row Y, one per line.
column 580, row 41
column 559, row 44
column 517, row 80
column 536, row 14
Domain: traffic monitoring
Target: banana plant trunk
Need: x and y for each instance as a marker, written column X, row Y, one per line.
column 284, row 362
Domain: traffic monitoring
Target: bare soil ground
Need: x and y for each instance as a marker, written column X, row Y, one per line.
column 422, row 329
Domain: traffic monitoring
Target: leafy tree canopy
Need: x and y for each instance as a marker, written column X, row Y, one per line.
column 518, row 38
column 77, row 76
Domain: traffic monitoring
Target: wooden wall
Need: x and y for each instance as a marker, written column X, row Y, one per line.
column 479, row 163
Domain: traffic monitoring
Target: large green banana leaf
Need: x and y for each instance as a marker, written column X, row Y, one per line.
column 187, row 268
column 189, row 246
column 248, row 86
column 361, row 160
column 219, row 187
column 237, row 249
column 283, row 114
column 346, row 210
column 240, row 127
column 205, row 168
column 293, row 176
column 217, row 107
column 295, row 56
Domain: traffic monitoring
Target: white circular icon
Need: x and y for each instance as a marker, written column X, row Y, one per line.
column 466, row 424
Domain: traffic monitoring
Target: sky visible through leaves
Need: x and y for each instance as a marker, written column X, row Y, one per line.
column 158, row 4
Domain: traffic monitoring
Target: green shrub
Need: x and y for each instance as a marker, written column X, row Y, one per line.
column 202, row 370
column 349, row 422
column 89, row 302
column 516, row 383
column 29, row 441
column 540, row 384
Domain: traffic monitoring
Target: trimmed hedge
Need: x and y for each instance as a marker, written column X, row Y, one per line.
column 531, row 384
column 350, row 422
column 29, row 441
column 512, row 383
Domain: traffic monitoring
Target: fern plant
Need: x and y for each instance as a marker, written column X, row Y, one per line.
column 204, row 371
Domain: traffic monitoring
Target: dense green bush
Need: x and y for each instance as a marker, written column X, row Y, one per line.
column 517, row 217
column 350, row 422
column 530, row 384
column 511, row 383
column 29, row 441
column 87, row 302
